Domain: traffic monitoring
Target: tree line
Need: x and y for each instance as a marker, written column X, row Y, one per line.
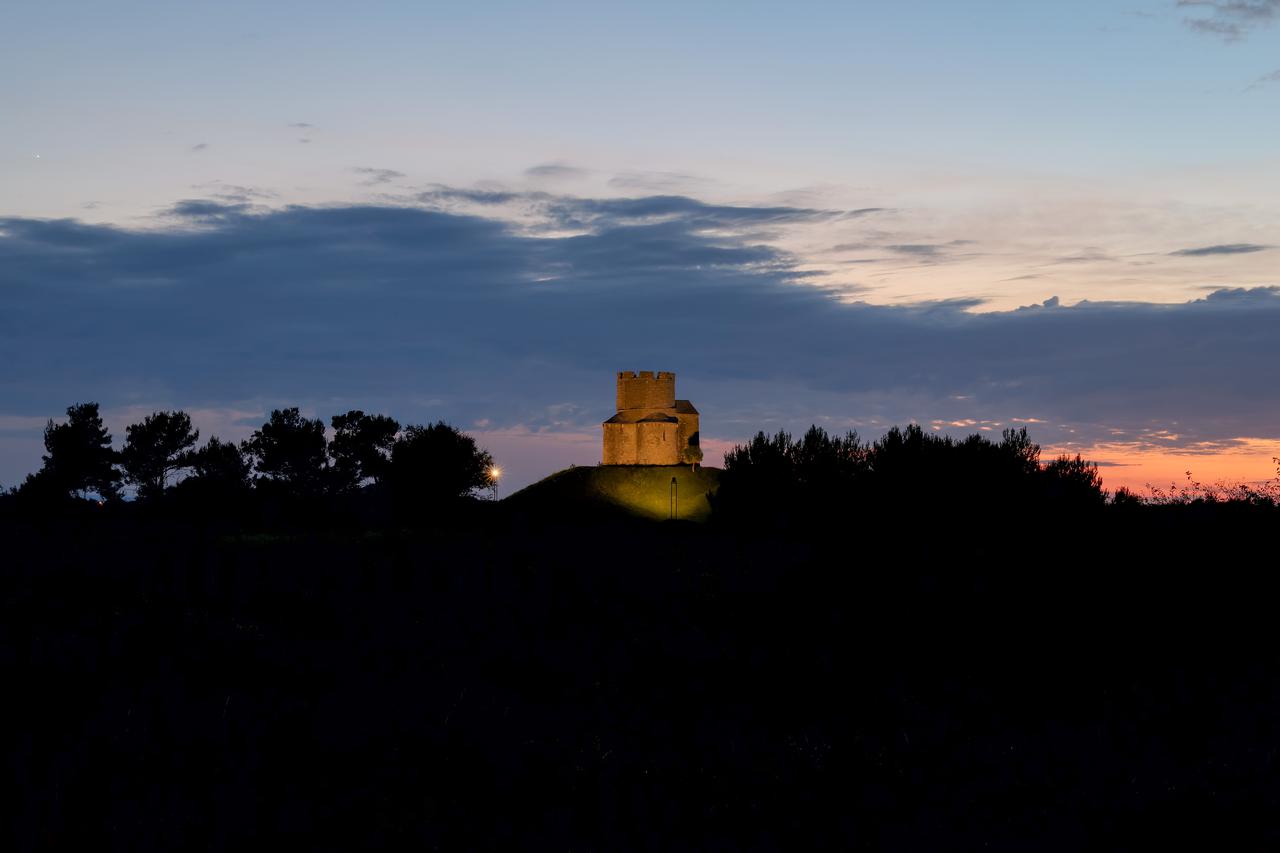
column 819, row 476
column 290, row 455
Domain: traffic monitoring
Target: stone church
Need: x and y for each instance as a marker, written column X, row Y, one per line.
column 651, row 427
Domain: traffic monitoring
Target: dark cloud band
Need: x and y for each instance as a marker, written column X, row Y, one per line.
column 429, row 313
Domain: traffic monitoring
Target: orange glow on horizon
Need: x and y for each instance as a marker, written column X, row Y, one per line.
column 1247, row 460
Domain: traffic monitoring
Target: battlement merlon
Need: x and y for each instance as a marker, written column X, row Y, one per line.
column 647, row 374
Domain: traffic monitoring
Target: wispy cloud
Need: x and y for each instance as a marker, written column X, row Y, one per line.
column 657, row 181
column 375, row 177
column 1087, row 255
column 930, row 253
column 555, row 171
column 863, row 211
column 1222, row 249
column 550, row 212
column 201, row 146
column 302, row 124
column 205, row 210
column 1264, row 80
column 1231, row 20
column 917, row 250
column 234, row 193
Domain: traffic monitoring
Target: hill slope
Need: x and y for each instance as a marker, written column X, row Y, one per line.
column 636, row 490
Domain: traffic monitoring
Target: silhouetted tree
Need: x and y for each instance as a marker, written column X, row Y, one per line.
column 221, row 463
column 766, row 455
column 1075, row 481
column 760, row 481
column 156, row 449
column 79, row 458
column 907, row 465
column 1017, row 446
column 438, row 463
column 219, row 484
column 1125, row 497
column 827, row 464
column 821, row 478
column 361, row 448
column 290, row 449
column 784, row 480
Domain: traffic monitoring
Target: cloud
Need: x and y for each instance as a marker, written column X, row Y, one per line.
column 236, row 193
column 863, row 211
column 657, row 181
column 918, row 250
column 1087, row 255
column 1273, row 77
column 203, row 208
column 1232, row 20
column 555, row 171
column 929, row 253
column 424, row 312
column 549, row 212
column 374, row 177
column 302, row 124
column 202, row 146
column 1223, row 249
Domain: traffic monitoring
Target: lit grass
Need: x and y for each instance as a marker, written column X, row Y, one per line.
column 637, row 490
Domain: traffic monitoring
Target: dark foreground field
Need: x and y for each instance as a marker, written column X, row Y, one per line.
column 900, row 684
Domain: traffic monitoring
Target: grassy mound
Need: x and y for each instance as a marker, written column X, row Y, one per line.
column 636, row 490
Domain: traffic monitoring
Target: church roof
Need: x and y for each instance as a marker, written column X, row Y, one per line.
column 684, row 407
column 636, row 416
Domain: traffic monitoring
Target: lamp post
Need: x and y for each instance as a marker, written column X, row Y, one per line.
column 675, row 505
column 494, row 473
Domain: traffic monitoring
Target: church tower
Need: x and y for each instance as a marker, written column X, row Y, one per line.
column 651, row 426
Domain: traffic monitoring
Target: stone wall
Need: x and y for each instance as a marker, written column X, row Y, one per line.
column 619, row 444
column 657, row 443
column 687, row 437
column 645, row 390
column 642, row 443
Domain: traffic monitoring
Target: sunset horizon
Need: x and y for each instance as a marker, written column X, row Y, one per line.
column 1056, row 217
column 563, row 425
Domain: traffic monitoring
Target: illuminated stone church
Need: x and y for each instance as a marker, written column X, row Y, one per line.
column 651, row 427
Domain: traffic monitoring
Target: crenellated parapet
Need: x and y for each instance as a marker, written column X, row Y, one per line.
column 646, row 390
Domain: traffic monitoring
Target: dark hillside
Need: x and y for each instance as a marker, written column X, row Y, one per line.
column 617, row 491
column 903, row 682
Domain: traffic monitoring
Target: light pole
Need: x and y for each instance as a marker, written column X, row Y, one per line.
column 494, row 473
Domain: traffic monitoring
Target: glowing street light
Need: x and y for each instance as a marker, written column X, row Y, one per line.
column 494, row 473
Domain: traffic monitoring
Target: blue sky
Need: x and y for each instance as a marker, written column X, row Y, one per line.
column 911, row 172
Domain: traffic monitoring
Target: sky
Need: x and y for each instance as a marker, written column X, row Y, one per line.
column 1064, row 216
